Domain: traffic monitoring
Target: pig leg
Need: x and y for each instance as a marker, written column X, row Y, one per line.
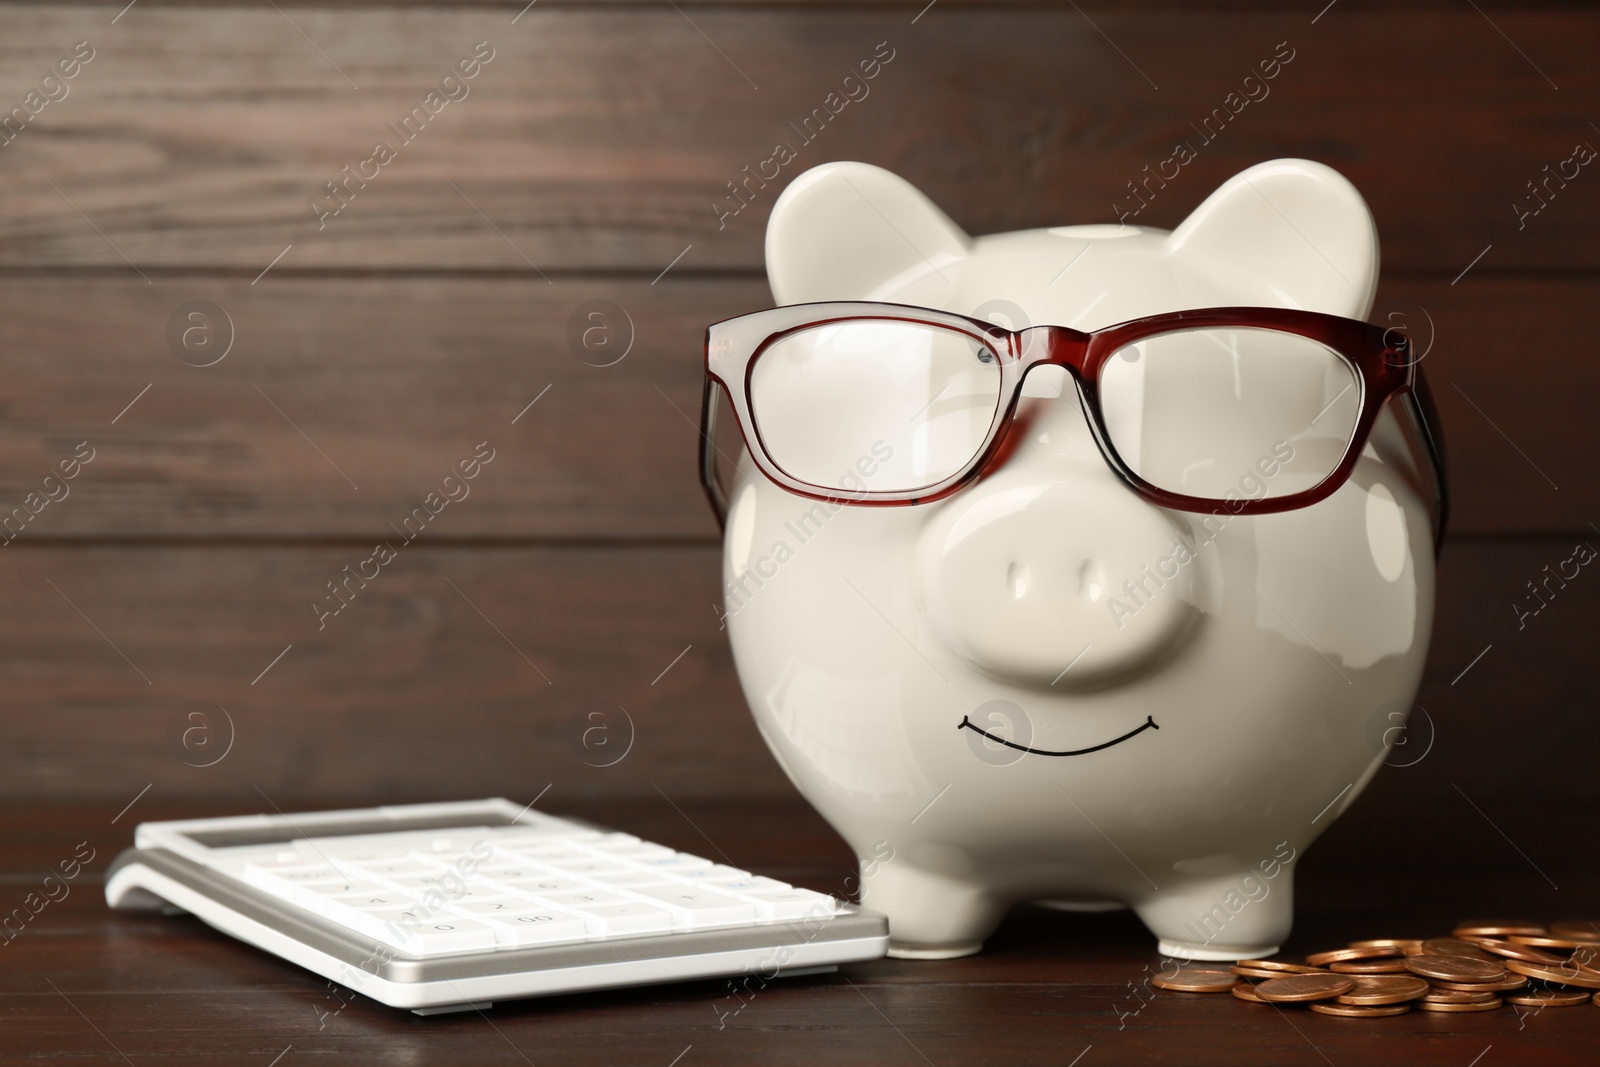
column 932, row 916
column 1215, row 919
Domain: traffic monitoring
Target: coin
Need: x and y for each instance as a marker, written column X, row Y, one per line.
column 1455, row 968
column 1520, row 951
column 1322, row 959
column 1254, row 972
column 1403, row 944
column 1452, row 996
column 1499, row 929
column 1551, row 998
column 1247, row 991
column 1488, row 1005
column 1385, row 989
column 1394, row 966
column 1565, row 974
column 1451, row 946
column 1586, row 957
column 1578, row 930
column 1278, row 965
column 1510, row 981
column 1358, row 1011
column 1294, row 988
column 1548, row 942
column 1196, row 980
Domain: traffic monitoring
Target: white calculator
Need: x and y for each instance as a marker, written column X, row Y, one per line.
column 450, row 907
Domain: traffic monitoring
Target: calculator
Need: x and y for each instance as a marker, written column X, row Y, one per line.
column 451, row 907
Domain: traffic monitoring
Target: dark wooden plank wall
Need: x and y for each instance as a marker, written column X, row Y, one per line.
column 588, row 157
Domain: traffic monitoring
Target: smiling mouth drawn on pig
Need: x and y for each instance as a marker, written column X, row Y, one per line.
column 1149, row 724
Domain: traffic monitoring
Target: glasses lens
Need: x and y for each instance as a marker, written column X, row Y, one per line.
column 1230, row 413
column 874, row 405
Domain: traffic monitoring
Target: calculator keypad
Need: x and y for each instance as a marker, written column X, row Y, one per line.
column 431, row 894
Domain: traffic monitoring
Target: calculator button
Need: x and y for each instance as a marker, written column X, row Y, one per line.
column 488, row 909
column 541, row 887
column 587, row 868
column 587, row 900
column 697, row 906
column 383, row 900
column 510, row 872
column 343, row 888
column 633, row 918
column 629, row 879
column 477, row 892
column 398, row 868
column 424, row 883
column 536, row 927
column 715, row 871
column 613, row 841
column 746, row 886
column 796, row 904
column 432, row 934
column 678, row 861
column 294, row 872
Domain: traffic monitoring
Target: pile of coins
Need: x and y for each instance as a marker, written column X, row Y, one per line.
column 1483, row 966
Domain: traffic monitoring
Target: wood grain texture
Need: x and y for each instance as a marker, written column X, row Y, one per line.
column 601, row 138
column 432, row 681
column 394, row 380
column 473, row 670
column 84, row 984
column 344, row 402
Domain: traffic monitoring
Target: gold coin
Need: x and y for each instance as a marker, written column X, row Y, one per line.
column 1510, row 981
column 1451, row 946
column 1518, row 950
column 1403, row 944
column 1578, row 930
column 1499, row 929
column 1358, row 1011
column 1392, row 966
column 1455, row 968
column 1453, row 996
column 1247, row 991
column 1294, row 988
column 1196, row 980
column 1371, row 952
column 1279, row 966
column 1551, row 998
column 1488, row 1005
column 1565, row 974
column 1385, row 989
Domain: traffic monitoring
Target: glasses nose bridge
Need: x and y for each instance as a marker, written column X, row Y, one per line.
column 1056, row 345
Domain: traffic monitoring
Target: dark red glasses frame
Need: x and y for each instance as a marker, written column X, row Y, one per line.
column 1381, row 357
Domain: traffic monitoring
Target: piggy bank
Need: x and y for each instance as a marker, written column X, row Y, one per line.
column 1039, row 685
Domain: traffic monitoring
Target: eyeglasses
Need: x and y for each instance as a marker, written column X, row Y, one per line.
column 1252, row 410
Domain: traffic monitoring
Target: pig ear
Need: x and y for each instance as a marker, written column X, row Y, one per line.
column 840, row 230
column 1292, row 232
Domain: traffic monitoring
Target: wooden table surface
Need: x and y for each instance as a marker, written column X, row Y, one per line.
column 85, row 985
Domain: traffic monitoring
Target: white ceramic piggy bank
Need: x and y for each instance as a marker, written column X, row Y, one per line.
column 1044, row 687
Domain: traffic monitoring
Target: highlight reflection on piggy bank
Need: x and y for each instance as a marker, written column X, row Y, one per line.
column 1073, row 565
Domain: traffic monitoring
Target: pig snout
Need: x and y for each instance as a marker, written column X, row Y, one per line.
column 1068, row 585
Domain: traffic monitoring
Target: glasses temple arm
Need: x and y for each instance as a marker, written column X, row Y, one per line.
column 1419, row 404
column 708, row 452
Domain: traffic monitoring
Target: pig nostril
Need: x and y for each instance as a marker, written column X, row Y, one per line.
column 1017, row 580
column 1091, row 580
